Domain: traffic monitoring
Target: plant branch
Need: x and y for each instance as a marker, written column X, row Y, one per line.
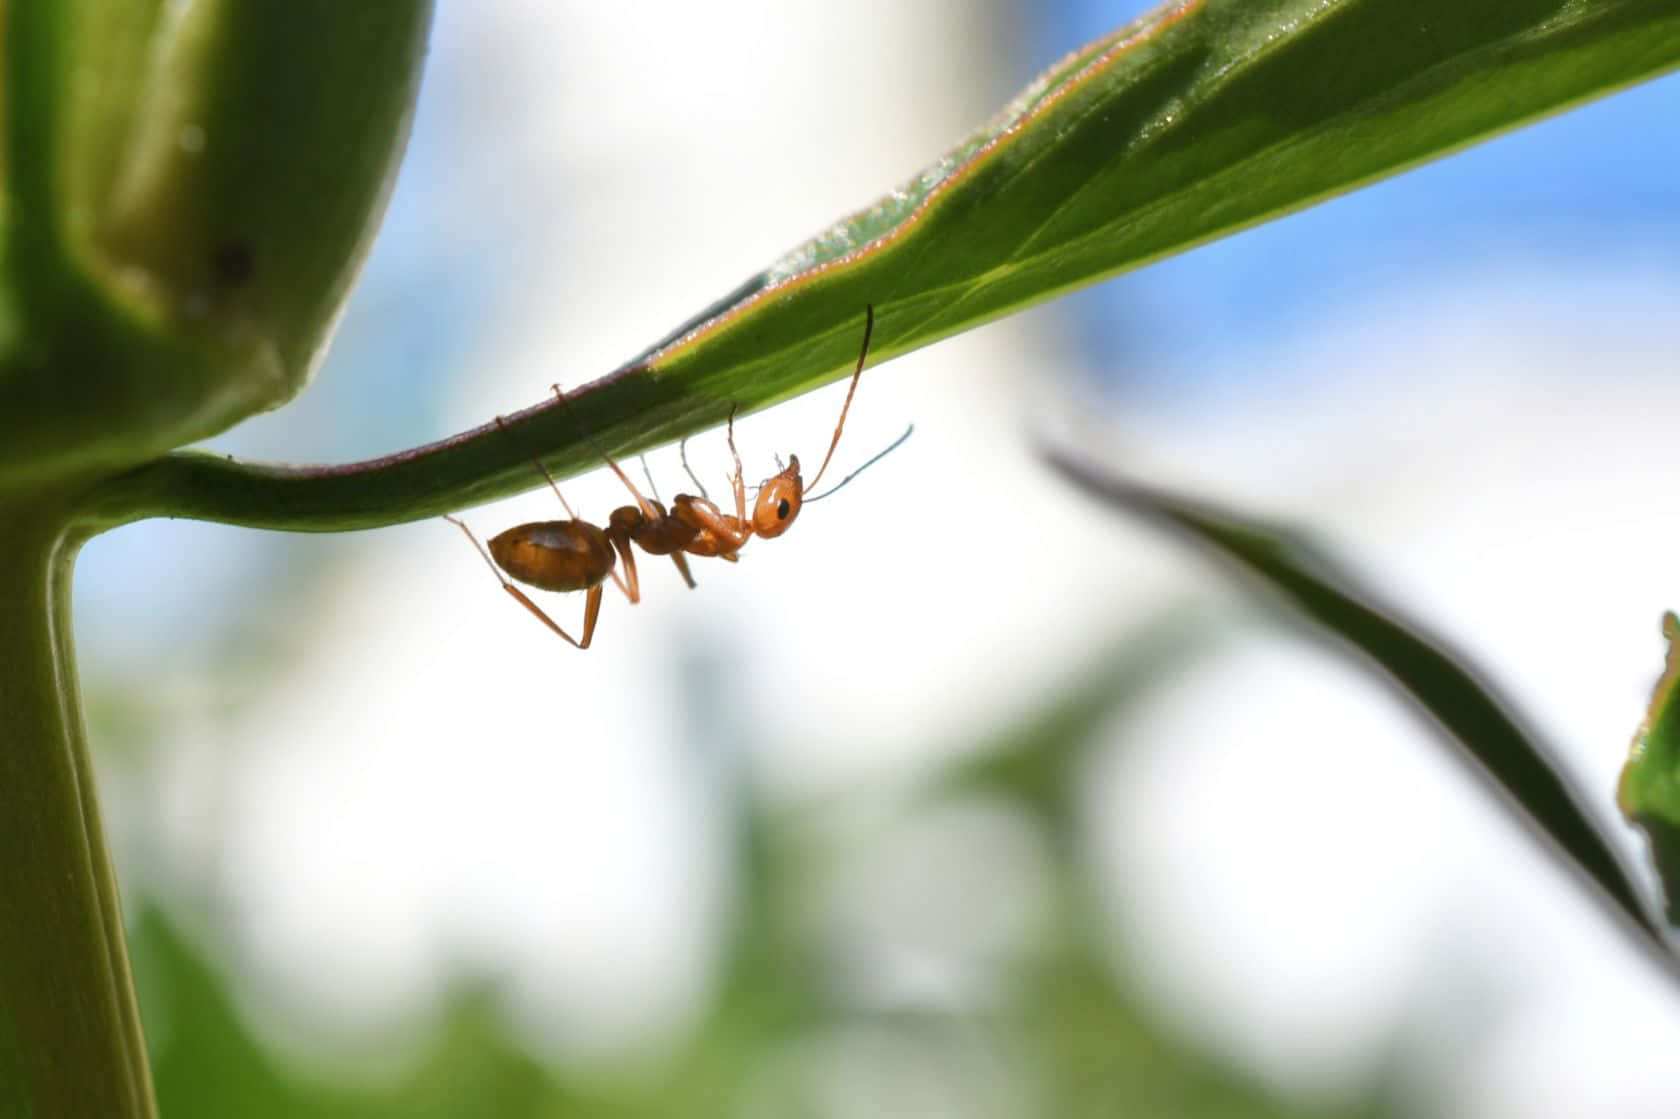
column 70, row 1039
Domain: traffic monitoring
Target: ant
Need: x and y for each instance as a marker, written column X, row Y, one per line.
column 575, row 555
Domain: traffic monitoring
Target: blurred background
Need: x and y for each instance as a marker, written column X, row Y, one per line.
column 968, row 797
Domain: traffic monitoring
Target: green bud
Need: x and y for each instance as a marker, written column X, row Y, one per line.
column 1649, row 789
column 189, row 190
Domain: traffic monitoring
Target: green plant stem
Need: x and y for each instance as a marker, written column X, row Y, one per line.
column 70, row 1040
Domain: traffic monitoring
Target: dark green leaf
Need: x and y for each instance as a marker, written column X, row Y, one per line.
column 1466, row 709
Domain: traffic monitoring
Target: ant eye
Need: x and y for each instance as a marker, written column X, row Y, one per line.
column 782, row 510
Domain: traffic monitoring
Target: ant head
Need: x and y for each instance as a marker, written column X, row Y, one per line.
column 778, row 501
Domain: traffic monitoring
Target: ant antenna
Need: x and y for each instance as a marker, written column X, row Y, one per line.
column 863, row 353
column 878, row 457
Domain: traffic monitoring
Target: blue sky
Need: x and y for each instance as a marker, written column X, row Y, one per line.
column 1593, row 184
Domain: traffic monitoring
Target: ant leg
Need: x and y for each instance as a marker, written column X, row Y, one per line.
column 738, row 481
column 728, row 533
column 631, row 584
column 682, row 565
column 552, row 484
column 648, row 474
column 682, row 451
column 676, row 557
column 591, row 606
column 591, row 611
column 647, row 509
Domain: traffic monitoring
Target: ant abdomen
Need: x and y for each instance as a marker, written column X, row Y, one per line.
column 555, row 555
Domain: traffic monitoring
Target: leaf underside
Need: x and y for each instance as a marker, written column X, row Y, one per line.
column 1199, row 119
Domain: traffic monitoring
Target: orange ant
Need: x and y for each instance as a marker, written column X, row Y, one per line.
column 575, row 555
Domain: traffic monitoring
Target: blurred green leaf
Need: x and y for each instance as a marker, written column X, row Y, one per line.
column 1649, row 791
column 1468, row 711
column 1060, row 1018
column 207, row 1061
column 1105, row 1053
column 1065, row 1027
column 1034, row 762
column 1201, row 118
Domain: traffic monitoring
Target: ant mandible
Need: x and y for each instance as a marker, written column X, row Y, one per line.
column 575, row 555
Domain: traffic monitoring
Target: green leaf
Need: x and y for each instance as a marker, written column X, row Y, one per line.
column 1466, row 709
column 211, row 1061
column 1034, row 761
column 1649, row 791
column 190, row 189
column 1202, row 118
